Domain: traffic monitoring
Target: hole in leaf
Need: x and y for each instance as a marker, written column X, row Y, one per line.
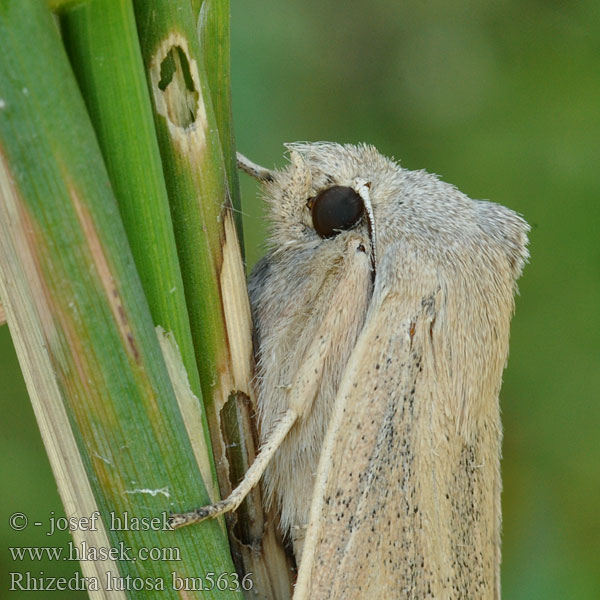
column 177, row 84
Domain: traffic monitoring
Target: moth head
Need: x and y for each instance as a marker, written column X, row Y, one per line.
column 324, row 196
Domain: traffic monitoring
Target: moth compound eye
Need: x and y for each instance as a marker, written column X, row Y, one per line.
column 335, row 209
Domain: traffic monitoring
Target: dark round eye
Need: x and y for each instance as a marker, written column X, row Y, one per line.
column 335, row 209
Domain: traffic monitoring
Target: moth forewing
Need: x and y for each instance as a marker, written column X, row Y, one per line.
column 354, row 528
column 406, row 501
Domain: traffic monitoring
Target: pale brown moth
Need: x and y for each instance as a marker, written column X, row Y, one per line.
column 382, row 316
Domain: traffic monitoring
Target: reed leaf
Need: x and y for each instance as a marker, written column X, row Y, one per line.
column 82, row 327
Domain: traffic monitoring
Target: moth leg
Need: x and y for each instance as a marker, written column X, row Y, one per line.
column 251, row 478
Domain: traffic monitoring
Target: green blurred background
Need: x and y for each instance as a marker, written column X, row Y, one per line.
column 503, row 100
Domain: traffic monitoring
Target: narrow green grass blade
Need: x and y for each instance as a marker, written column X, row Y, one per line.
column 212, row 18
column 194, row 173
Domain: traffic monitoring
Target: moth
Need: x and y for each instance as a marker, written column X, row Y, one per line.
column 382, row 314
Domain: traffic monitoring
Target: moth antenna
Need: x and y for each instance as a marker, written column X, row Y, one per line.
column 252, row 169
column 251, row 478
